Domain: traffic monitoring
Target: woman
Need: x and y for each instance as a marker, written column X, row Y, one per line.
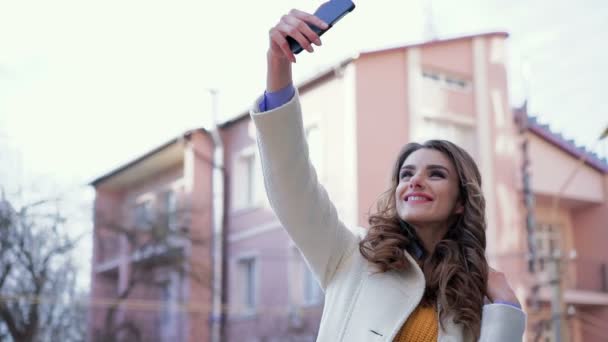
column 420, row 273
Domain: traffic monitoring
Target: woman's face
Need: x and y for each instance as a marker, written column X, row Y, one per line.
column 428, row 189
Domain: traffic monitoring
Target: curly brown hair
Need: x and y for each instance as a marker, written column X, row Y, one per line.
column 456, row 272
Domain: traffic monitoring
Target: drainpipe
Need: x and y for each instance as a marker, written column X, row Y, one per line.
column 217, row 316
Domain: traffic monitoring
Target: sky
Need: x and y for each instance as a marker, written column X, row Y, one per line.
column 86, row 86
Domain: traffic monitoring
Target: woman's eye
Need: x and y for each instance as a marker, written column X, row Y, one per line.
column 406, row 174
column 437, row 174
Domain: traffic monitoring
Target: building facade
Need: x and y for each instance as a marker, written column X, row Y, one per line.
column 151, row 250
column 357, row 117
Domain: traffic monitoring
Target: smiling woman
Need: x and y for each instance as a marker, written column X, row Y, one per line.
column 420, row 273
column 435, row 206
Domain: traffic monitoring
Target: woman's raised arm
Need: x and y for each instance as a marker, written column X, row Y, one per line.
column 299, row 201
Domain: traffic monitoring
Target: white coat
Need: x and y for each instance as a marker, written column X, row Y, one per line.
column 360, row 305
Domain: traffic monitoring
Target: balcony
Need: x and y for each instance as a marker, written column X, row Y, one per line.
column 155, row 251
column 110, row 251
column 587, row 282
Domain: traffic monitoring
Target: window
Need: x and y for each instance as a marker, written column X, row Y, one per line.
column 455, row 83
column 312, row 290
column 249, row 166
column 445, row 80
column 169, row 312
column 431, row 76
column 249, row 183
column 143, row 215
column 169, row 210
column 547, row 244
column 247, row 282
column 303, row 286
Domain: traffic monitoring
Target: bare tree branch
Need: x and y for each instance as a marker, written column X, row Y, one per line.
column 153, row 247
column 34, row 263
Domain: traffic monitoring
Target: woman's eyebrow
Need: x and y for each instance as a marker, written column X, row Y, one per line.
column 435, row 167
column 429, row 167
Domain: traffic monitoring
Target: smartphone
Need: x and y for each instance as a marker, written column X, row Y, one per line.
column 330, row 12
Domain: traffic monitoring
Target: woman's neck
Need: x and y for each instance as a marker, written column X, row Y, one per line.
column 430, row 235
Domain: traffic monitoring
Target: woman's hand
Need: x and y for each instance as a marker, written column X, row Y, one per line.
column 499, row 288
column 280, row 57
column 294, row 25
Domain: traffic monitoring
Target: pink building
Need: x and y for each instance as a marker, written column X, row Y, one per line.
column 357, row 117
column 151, row 234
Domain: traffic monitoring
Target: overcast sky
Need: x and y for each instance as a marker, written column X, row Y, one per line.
column 88, row 85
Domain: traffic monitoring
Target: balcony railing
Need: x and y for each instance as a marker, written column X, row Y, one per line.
column 141, row 245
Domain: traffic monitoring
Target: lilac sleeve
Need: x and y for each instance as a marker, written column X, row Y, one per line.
column 515, row 305
column 277, row 98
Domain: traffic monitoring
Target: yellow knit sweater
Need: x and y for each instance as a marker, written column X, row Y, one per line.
column 421, row 326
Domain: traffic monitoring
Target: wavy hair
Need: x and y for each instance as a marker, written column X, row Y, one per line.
column 456, row 272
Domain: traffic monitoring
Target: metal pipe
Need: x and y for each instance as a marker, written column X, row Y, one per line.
column 218, row 178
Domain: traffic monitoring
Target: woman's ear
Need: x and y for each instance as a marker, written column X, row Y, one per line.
column 459, row 207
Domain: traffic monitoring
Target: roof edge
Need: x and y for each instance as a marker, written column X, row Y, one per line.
column 302, row 87
column 186, row 135
column 435, row 41
column 568, row 146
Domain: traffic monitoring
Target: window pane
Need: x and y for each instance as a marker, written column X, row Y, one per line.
column 249, row 169
column 248, row 279
column 143, row 215
column 312, row 291
column 170, row 209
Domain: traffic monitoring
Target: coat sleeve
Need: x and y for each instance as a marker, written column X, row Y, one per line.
column 502, row 323
column 300, row 203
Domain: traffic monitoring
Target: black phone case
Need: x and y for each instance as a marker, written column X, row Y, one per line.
column 330, row 12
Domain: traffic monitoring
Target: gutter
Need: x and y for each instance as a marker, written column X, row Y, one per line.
column 218, row 182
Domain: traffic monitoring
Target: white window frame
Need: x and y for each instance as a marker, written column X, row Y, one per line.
column 169, row 312
column 312, row 294
column 446, row 80
column 147, row 204
column 548, row 245
column 248, row 177
column 242, row 286
column 304, row 289
column 170, row 202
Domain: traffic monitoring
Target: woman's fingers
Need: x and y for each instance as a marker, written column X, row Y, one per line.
column 499, row 288
column 295, row 25
column 300, row 31
column 278, row 41
column 304, row 20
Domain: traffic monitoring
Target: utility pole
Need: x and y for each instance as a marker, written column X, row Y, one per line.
column 528, row 193
column 557, row 299
column 527, row 189
column 531, row 225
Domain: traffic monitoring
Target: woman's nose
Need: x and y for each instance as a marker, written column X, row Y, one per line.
column 416, row 182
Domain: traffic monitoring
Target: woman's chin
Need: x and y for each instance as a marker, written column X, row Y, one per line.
column 414, row 220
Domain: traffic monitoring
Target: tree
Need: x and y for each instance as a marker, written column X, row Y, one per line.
column 154, row 242
column 37, row 274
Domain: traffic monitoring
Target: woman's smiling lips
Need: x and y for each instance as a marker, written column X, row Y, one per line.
column 418, row 197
